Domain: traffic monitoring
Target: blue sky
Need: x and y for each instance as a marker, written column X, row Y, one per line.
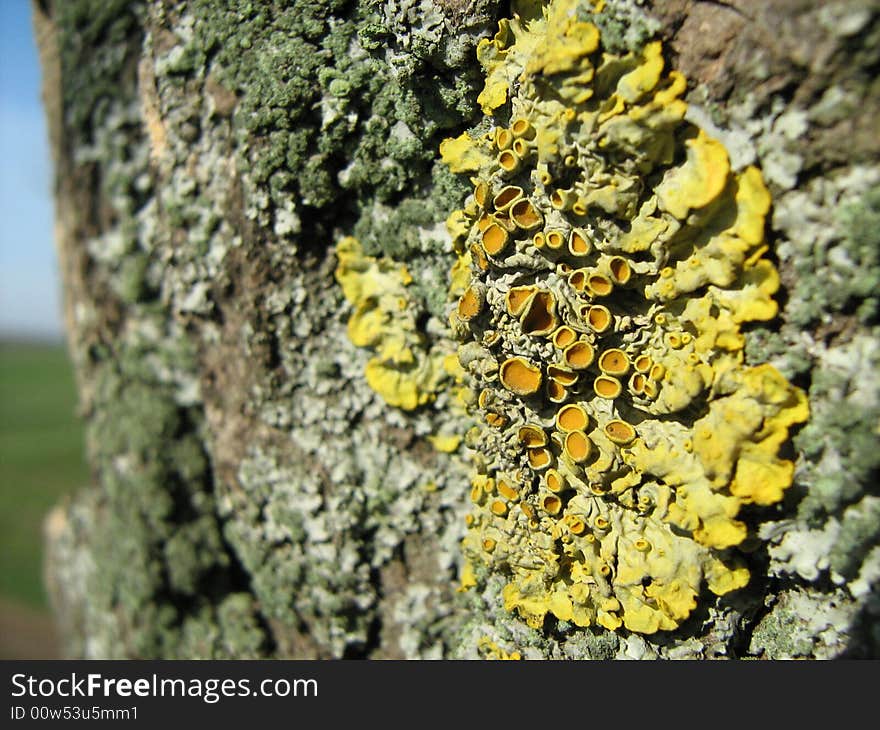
column 29, row 282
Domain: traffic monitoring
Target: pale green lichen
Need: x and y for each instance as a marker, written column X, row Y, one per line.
column 146, row 540
column 802, row 624
column 624, row 26
column 837, row 264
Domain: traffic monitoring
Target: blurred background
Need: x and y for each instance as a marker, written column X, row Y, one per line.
column 41, row 440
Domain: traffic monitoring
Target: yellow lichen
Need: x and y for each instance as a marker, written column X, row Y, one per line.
column 446, row 443
column 404, row 371
column 488, row 649
column 462, row 154
column 614, row 256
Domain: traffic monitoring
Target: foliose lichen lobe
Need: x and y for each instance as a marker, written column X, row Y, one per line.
column 608, row 258
column 407, row 370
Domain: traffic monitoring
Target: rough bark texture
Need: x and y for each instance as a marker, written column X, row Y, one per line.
column 252, row 496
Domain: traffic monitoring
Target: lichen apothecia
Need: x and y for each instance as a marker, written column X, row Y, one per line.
column 608, row 258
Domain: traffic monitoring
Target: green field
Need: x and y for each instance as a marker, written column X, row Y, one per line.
column 41, row 458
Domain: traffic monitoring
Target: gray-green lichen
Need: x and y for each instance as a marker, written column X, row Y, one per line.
column 141, row 556
column 624, row 25
column 151, row 530
column 225, row 148
column 805, row 624
column 319, row 517
column 828, row 247
column 338, row 105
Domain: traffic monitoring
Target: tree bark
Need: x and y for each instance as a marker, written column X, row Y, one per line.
column 252, row 496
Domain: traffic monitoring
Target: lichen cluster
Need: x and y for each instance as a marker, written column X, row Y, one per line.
column 406, row 371
column 207, row 144
column 608, row 257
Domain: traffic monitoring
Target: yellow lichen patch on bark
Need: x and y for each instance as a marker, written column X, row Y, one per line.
column 616, row 255
column 404, row 370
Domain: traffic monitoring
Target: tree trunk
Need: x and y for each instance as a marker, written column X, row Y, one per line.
column 253, row 496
